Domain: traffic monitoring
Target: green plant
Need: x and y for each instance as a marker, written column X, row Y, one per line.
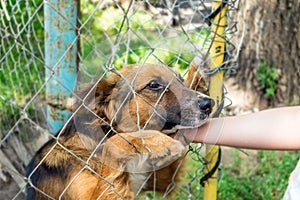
column 258, row 175
column 22, row 68
column 145, row 54
column 267, row 77
column 261, row 175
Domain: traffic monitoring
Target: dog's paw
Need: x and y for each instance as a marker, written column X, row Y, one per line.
column 144, row 152
column 166, row 155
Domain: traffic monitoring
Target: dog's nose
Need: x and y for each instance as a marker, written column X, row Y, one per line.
column 206, row 105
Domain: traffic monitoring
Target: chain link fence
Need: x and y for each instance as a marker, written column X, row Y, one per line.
column 111, row 34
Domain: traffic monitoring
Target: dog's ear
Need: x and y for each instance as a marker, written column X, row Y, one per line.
column 93, row 96
column 197, row 78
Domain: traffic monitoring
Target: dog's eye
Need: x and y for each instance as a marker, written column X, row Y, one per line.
column 153, row 85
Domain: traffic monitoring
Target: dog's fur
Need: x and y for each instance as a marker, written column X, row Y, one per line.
column 117, row 137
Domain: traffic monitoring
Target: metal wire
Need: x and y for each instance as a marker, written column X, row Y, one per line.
column 112, row 34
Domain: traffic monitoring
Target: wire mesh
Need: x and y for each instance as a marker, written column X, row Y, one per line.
column 21, row 97
column 112, row 35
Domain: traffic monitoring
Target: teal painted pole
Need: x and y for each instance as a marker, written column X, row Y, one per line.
column 61, row 47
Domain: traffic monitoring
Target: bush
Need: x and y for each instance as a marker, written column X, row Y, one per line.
column 267, row 77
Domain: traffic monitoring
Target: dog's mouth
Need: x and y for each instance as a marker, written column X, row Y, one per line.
column 177, row 133
column 174, row 131
column 191, row 119
column 172, row 128
column 173, row 134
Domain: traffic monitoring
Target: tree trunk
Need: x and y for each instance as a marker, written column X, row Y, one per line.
column 271, row 35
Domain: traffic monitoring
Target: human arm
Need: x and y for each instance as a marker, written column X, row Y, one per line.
column 275, row 129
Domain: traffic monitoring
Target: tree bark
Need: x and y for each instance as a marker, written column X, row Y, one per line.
column 271, row 35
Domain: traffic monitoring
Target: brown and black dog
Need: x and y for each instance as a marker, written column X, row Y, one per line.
column 118, row 142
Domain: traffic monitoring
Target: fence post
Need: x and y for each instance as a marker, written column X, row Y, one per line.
column 61, row 46
column 217, row 54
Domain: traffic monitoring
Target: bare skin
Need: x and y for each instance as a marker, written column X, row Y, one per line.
column 274, row 129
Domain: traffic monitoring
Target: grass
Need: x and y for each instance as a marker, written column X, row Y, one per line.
column 261, row 175
column 258, row 175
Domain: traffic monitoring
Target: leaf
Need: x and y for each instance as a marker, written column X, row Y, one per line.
column 270, row 92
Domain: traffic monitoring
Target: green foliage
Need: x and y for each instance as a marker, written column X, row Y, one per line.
column 261, row 175
column 21, row 69
column 135, row 37
column 267, row 78
column 147, row 55
column 264, row 176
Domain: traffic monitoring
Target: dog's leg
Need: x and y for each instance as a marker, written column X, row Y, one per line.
column 197, row 79
column 136, row 155
column 158, row 147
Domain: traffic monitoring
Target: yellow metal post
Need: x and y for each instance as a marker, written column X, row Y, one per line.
column 217, row 54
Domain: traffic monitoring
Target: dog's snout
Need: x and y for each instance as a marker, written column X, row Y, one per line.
column 206, row 105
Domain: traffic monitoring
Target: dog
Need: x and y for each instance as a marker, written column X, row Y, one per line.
column 120, row 139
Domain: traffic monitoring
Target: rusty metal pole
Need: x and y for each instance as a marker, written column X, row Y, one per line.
column 61, row 46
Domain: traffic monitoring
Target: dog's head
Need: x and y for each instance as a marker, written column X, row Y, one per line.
column 147, row 96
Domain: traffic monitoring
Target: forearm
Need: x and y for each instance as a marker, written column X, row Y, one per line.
column 272, row 129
